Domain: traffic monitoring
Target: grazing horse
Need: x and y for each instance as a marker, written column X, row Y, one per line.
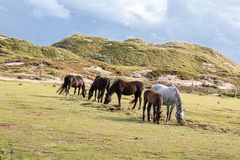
column 121, row 87
column 100, row 84
column 72, row 81
column 171, row 98
column 152, row 98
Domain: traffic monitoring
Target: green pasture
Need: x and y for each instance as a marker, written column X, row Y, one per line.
column 39, row 124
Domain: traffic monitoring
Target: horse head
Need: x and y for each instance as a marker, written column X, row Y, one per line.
column 108, row 99
column 84, row 92
column 158, row 117
column 90, row 94
column 180, row 117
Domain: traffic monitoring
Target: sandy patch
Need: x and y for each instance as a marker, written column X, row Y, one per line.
column 98, row 70
column 13, row 64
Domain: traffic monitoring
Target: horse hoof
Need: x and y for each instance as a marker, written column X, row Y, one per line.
column 181, row 122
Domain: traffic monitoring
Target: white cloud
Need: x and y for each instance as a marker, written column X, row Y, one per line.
column 210, row 22
column 126, row 12
column 48, row 8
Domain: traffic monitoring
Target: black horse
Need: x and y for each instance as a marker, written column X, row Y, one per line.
column 100, row 84
column 121, row 87
column 72, row 81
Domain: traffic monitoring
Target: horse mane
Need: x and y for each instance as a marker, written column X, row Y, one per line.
column 179, row 98
column 177, row 91
column 110, row 90
column 83, row 86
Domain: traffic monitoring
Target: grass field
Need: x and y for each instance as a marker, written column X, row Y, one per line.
column 39, row 124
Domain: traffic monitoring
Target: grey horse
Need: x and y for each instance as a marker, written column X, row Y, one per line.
column 171, row 98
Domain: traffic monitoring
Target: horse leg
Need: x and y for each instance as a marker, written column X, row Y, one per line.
column 67, row 91
column 79, row 91
column 99, row 95
column 95, row 95
column 119, row 100
column 140, row 102
column 154, row 114
column 170, row 114
column 158, row 114
column 148, row 111
column 75, row 88
column 102, row 95
column 135, row 101
column 144, row 108
column 168, row 110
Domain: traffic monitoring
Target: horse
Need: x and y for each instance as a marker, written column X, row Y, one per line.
column 171, row 98
column 100, row 84
column 72, row 81
column 152, row 98
column 121, row 87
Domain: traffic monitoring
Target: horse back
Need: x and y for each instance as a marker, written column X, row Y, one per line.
column 133, row 87
column 68, row 79
column 101, row 82
column 169, row 94
column 77, row 81
column 139, row 85
column 153, row 97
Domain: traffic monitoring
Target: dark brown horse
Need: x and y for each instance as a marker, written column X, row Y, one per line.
column 152, row 98
column 100, row 84
column 72, row 81
column 121, row 87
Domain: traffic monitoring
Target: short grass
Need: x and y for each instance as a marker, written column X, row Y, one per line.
column 39, row 124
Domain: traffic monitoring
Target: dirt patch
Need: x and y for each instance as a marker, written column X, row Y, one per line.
column 230, row 110
column 57, row 81
column 204, row 81
column 3, row 37
column 98, row 70
column 142, row 73
column 13, row 64
column 7, row 126
column 209, row 127
column 37, row 114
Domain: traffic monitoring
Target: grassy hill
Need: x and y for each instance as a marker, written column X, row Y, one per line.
column 179, row 57
column 16, row 48
column 188, row 61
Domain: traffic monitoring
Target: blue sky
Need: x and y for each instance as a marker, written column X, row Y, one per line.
column 212, row 23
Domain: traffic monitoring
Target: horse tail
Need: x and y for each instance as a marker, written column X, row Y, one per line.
column 177, row 91
column 108, row 85
column 63, row 87
column 132, row 101
column 140, row 87
column 83, row 87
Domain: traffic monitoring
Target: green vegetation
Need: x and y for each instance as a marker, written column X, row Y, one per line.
column 18, row 49
column 169, row 57
column 42, row 125
column 188, row 61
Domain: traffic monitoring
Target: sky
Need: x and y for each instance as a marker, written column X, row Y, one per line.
column 212, row 23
